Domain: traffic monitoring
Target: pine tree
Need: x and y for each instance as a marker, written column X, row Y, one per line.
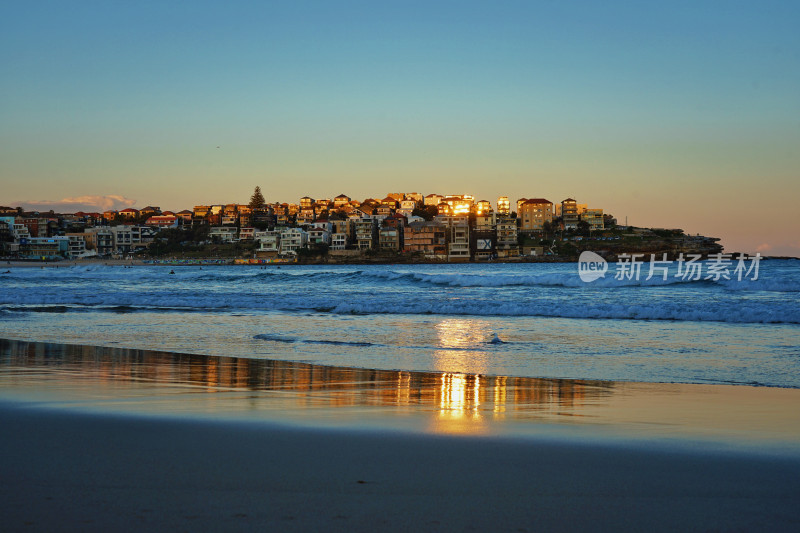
column 257, row 200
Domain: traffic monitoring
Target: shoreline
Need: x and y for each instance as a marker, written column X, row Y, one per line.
column 113, row 380
column 268, row 262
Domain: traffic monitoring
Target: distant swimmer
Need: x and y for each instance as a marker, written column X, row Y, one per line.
column 171, row 271
column 496, row 340
column 7, row 272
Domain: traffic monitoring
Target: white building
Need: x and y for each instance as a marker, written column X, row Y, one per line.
column 224, row 233
column 338, row 241
column 292, row 239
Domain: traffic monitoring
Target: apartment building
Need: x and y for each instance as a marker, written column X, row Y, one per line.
column 507, row 244
column 593, row 217
column 292, row 239
column 426, row 238
column 503, row 206
column 569, row 213
column 366, row 230
column 533, row 214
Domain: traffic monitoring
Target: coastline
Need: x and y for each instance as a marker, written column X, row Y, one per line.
column 210, row 261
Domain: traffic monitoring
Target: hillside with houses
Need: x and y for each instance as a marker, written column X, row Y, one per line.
column 402, row 227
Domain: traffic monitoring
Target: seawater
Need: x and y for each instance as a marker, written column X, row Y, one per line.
column 526, row 320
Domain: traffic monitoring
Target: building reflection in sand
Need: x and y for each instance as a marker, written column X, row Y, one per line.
column 454, row 403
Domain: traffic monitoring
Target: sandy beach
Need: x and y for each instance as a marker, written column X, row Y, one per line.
column 67, row 471
column 99, row 439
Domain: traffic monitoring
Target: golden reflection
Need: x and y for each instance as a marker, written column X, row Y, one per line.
column 463, row 343
column 456, row 402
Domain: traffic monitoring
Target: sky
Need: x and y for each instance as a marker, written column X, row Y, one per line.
column 670, row 114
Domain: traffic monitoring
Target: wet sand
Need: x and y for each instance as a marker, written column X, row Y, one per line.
column 99, row 439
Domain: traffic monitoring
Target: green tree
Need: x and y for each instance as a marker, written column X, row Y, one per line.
column 257, row 200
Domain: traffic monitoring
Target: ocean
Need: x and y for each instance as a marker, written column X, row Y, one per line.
column 531, row 320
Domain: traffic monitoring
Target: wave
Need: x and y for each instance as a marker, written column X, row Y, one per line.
column 756, row 311
column 289, row 340
column 566, row 277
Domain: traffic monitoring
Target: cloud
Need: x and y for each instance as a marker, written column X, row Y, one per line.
column 79, row 203
column 763, row 247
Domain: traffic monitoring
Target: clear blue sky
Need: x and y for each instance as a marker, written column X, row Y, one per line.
column 672, row 113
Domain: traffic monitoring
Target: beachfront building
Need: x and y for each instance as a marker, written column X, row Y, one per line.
column 366, row 230
column 507, row 244
column 503, row 206
column 268, row 241
column 458, row 245
column 533, row 214
column 338, row 241
column 100, row 239
column 484, row 243
column 44, row 248
column 76, row 245
column 306, row 202
column 426, row 238
column 129, row 213
column 390, row 238
column 292, row 239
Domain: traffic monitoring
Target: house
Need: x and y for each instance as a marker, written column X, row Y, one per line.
column 184, row 215
column 341, row 201
column 433, row 199
column 150, row 211
column 306, row 202
column 129, row 213
column 268, row 241
column 162, row 221
column 318, row 236
column 224, row 233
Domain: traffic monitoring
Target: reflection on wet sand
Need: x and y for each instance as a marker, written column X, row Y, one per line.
column 55, row 375
column 453, row 398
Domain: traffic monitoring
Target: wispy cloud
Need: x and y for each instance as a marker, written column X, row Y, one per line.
column 79, row 203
